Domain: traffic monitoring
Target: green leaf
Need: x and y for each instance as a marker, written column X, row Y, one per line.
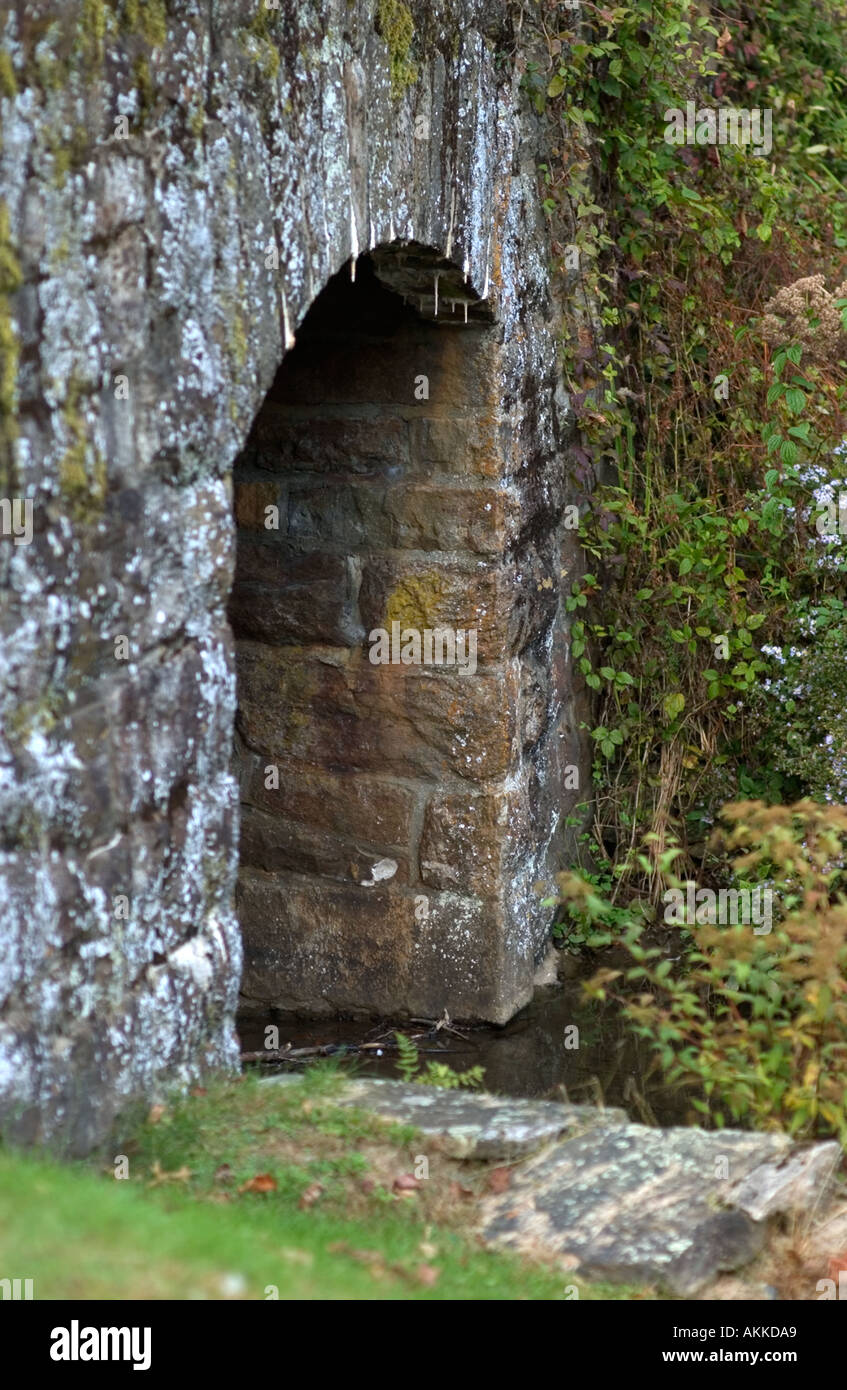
column 673, row 705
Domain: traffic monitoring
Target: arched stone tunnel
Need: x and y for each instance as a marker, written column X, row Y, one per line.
column 388, row 843
column 242, row 462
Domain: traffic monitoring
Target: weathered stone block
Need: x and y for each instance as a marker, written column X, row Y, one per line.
column 464, row 446
column 465, row 840
column 251, row 501
column 423, row 517
column 270, row 843
column 287, row 599
column 310, row 944
column 366, row 808
column 318, row 947
column 432, row 593
column 343, row 444
column 336, row 710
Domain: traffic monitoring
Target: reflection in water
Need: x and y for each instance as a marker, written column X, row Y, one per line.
column 527, row 1057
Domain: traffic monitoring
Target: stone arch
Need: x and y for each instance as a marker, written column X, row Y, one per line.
column 374, row 851
column 172, row 264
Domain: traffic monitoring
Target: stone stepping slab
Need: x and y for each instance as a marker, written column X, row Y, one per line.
column 470, row 1125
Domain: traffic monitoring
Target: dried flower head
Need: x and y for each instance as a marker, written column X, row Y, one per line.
column 805, row 312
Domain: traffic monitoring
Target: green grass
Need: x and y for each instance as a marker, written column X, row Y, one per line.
column 179, row 1228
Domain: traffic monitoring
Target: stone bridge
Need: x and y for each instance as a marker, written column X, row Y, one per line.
column 280, row 396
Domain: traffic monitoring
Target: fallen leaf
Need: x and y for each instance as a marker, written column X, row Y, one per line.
column 367, row 1185
column 428, row 1250
column 457, row 1190
column 224, row 1173
column 405, row 1185
column 427, row 1275
column 499, row 1179
column 837, row 1265
column 263, row 1182
column 155, row 1114
column 312, row 1194
column 160, row 1176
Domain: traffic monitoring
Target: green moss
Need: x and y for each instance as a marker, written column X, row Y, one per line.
column 395, row 25
column 32, row 715
column 59, row 255
column 95, row 21
column 67, row 154
column 197, row 122
column 154, row 23
column 147, row 18
column 51, row 71
column 238, row 339
column 8, row 83
column 258, row 43
column 143, row 81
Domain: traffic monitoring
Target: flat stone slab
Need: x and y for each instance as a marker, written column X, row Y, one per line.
column 640, row 1205
column 468, row 1125
column 610, row 1200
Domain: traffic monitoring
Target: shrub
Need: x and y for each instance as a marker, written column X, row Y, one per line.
column 757, row 1023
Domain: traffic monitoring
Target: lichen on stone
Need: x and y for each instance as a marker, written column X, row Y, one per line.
column 83, row 490
column 10, row 281
column 415, row 601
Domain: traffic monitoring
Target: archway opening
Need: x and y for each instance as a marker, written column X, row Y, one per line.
column 364, row 504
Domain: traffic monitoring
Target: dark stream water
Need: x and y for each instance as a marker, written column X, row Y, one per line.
column 527, row 1057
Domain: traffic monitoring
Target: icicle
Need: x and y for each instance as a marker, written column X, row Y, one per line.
column 435, row 315
column 288, row 336
column 466, row 311
column 466, row 268
column 354, row 242
column 449, row 248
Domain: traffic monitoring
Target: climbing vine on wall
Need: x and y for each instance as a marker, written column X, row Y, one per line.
column 710, row 401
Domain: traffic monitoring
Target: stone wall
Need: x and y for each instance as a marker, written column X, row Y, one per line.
column 180, row 182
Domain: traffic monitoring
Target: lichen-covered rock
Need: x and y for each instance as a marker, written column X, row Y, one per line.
column 179, row 181
column 675, row 1206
